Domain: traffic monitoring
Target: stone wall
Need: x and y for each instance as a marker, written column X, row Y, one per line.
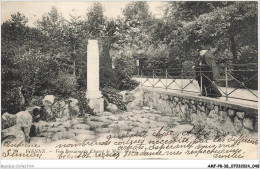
column 220, row 116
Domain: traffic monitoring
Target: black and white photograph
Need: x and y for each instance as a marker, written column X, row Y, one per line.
column 130, row 80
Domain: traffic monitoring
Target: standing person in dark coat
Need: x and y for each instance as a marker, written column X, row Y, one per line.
column 207, row 66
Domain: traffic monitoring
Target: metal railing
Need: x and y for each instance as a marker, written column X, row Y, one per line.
column 233, row 78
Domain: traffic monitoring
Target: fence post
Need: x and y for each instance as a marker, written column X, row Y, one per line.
column 226, row 73
column 181, row 79
column 166, row 78
column 153, row 79
column 141, row 78
column 200, row 82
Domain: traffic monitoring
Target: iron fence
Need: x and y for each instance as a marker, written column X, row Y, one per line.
column 240, row 78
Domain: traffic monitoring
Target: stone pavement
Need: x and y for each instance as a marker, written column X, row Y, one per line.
column 95, row 127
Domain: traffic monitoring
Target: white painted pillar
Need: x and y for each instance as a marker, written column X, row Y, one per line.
column 94, row 95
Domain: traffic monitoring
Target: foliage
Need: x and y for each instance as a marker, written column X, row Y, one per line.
column 51, row 25
column 221, row 25
column 10, row 100
column 112, row 96
column 230, row 27
column 83, row 103
column 64, row 84
column 95, row 20
column 46, row 116
column 22, row 62
column 128, row 84
column 124, row 70
column 118, row 78
column 187, row 68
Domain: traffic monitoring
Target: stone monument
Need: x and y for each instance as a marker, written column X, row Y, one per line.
column 94, row 95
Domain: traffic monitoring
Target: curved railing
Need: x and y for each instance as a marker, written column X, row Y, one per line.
column 238, row 81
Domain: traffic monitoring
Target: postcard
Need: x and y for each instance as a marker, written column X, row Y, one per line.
column 137, row 80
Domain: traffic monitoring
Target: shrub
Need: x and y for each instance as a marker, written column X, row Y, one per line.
column 64, row 84
column 83, row 103
column 112, row 96
column 118, row 78
column 128, row 84
column 11, row 100
column 187, row 68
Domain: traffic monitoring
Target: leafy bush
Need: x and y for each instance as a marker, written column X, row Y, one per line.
column 64, row 84
column 112, row 96
column 247, row 74
column 83, row 103
column 128, row 84
column 30, row 72
column 11, row 100
column 118, row 78
column 187, row 68
column 108, row 78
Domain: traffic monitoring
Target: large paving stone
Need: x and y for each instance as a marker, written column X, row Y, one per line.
column 133, row 119
column 93, row 118
column 81, row 126
column 166, row 119
column 42, row 126
column 105, row 113
column 95, row 124
column 136, row 130
column 47, row 134
column 161, row 124
column 113, row 117
column 82, row 120
column 67, row 124
column 106, row 120
column 82, row 137
column 63, row 135
column 81, row 131
column 120, row 126
column 57, row 129
column 143, row 120
column 103, row 130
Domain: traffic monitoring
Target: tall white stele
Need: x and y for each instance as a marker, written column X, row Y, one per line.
column 94, row 95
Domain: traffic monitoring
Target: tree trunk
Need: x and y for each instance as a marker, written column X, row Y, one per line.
column 74, row 62
column 74, row 69
column 233, row 48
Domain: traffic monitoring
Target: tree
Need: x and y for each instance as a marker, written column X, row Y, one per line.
column 74, row 36
column 218, row 24
column 18, row 70
column 52, row 25
column 230, row 27
column 95, row 24
column 132, row 31
column 137, row 13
